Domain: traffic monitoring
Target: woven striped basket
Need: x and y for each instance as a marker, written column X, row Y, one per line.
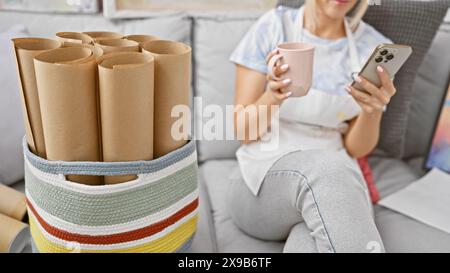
column 155, row 213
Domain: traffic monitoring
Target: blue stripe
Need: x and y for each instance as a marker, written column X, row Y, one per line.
column 109, row 168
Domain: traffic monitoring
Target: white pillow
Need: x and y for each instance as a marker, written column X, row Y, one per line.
column 216, row 36
column 11, row 120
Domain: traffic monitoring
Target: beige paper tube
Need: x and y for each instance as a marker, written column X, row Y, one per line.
column 97, row 53
column 12, row 203
column 25, row 50
column 103, row 35
column 13, row 235
column 69, row 38
column 172, row 82
column 118, row 45
column 66, row 79
column 126, row 103
column 141, row 39
column 96, row 50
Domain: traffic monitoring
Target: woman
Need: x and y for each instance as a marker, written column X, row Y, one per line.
column 310, row 190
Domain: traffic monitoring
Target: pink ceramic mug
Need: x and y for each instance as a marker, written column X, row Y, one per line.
column 300, row 58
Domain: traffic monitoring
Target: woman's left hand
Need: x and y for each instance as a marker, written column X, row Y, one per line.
column 373, row 99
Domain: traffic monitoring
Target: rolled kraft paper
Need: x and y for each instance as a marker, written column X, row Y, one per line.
column 69, row 38
column 103, row 35
column 96, row 50
column 118, row 45
column 66, row 79
column 97, row 53
column 25, row 50
column 13, row 235
column 126, row 103
column 141, row 39
column 172, row 81
column 12, row 203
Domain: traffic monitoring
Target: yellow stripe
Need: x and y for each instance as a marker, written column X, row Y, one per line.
column 168, row 243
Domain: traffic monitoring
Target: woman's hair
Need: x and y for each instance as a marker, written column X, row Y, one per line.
column 356, row 14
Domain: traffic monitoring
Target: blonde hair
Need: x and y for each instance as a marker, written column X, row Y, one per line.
column 356, row 14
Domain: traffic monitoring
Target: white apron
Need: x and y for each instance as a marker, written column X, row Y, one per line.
column 315, row 121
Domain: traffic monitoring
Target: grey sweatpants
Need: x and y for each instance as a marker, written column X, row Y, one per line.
column 315, row 200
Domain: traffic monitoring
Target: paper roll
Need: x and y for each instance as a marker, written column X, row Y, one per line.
column 66, row 79
column 172, row 82
column 126, row 103
column 69, row 38
column 13, row 235
column 118, row 45
column 103, row 35
column 25, row 50
column 96, row 50
column 12, row 203
column 141, row 39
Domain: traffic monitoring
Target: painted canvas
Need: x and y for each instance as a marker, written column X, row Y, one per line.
column 156, row 5
column 146, row 8
column 57, row 6
column 439, row 154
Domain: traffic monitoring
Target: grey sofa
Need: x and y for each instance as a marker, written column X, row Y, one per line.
column 213, row 37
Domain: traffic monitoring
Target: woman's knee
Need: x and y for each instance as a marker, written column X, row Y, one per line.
column 266, row 216
column 241, row 209
column 325, row 172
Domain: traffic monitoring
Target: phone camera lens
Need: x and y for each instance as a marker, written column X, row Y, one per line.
column 384, row 52
column 379, row 59
column 390, row 57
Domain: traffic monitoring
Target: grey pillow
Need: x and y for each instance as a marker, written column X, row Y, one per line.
column 408, row 22
column 428, row 91
column 215, row 37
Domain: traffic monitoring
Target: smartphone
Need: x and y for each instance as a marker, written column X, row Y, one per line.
column 389, row 56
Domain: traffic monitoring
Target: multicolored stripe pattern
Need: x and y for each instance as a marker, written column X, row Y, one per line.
column 155, row 213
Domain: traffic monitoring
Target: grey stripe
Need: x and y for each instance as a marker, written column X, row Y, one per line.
column 112, row 208
column 108, row 168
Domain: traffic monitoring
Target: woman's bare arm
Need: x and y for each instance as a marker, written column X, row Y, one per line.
column 363, row 134
column 251, row 100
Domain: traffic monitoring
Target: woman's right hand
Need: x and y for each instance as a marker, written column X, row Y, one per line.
column 275, row 84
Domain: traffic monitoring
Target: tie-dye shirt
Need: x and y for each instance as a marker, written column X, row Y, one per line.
column 330, row 74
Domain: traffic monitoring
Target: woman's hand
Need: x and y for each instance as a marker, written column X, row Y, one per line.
column 374, row 99
column 277, row 85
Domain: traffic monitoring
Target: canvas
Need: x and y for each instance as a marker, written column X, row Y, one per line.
column 439, row 154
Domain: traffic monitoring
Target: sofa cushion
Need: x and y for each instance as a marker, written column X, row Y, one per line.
column 215, row 37
column 399, row 233
column 403, row 28
column 402, row 234
column 215, row 174
column 205, row 239
column 397, row 230
column 428, row 91
column 175, row 27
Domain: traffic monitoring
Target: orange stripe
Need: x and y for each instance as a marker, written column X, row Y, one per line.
column 118, row 237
